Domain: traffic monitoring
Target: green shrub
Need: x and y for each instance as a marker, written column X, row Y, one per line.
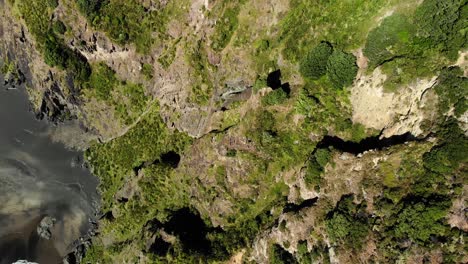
column 52, row 3
column 389, row 39
column 77, row 65
column 322, row 156
column 341, row 69
column 452, row 89
column 275, row 97
column 315, row 167
column 55, row 53
column 450, row 153
column 123, row 21
column 421, row 221
column 347, row 224
column 90, row 8
column 314, row 64
column 102, row 81
column 225, row 27
column 147, row 71
column 59, row 27
column 278, row 255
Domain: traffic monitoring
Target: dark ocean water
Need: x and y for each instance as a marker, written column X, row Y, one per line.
column 38, row 178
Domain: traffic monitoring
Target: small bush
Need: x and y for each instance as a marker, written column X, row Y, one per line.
column 347, row 224
column 278, row 255
column 90, row 8
column 277, row 96
column 59, row 27
column 55, row 54
column 225, row 28
column 341, row 69
column 102, row 81
column 315, row 167
column 147, row 71
column 452, row 90
column 314, row 64
column 52, row 3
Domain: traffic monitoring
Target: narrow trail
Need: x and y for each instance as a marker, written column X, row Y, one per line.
column 127, row 128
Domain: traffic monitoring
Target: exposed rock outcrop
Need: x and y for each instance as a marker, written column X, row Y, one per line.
column 45, row 226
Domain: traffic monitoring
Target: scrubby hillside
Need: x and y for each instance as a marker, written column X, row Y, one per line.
column 257, row 131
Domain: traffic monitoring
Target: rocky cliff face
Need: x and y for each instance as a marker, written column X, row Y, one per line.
column 229, row 109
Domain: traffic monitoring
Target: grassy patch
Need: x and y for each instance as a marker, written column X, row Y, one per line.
column 202, row 87
column 418, row 43
column 346, row 23
column 147, row 141
column 389, row 40
column 147, row 71
column 127, row 98
column 8, row 67
column 168, row 56
column 226, row 23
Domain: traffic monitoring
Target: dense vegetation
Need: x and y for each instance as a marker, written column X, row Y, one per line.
column 46, row 32
column 121, row 19
column 130, row 21
column 452, row 89
column 413, row 210
column 419, row 43
column 389, row 39
column 346, row 23
column 340, row 67
column 347, row 224
column 277, row 96
column 316, row 166
column 314, row 64
column 442, row 26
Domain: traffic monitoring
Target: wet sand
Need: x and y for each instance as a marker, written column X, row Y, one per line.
column 23, row 242
column 38, row 178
